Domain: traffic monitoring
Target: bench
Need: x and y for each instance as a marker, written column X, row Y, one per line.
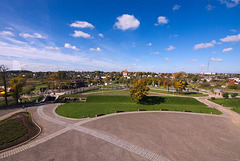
column 118, row 111
column 187, row 111
column 101, row 114
column 83, row 99
column 142, row 110
column 163, row 109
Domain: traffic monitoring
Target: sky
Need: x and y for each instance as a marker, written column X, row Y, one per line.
column 113, row 35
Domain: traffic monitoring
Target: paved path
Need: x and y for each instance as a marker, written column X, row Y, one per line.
column 226, row 111
column 68, row 126
column 77, row 126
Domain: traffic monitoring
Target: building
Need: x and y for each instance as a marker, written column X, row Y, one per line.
column 218, row 92
column 125, row 73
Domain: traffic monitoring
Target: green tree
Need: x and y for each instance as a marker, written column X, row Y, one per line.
column 234, row 95
column 225, row 95
column 61, row 75
column 17, row 83
column 139, row 90
column 3, row 72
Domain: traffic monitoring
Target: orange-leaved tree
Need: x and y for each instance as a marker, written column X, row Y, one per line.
column 139, row 90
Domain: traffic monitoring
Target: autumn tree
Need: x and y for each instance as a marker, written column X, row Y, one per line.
column 179, row 81
column 3, row 71
column 139, row 90
column 232, row 85
column 17, row 83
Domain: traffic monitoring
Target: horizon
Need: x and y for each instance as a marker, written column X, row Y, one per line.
column 156, row 36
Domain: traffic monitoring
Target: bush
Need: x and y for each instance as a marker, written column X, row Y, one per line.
column 212, row 98
column 225, row 95
column 234, row 95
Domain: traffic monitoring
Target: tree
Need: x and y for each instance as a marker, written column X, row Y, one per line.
column 234, row 95
column 139, row 90
column 61, row 75
column 232, row 85
column 225, row 95
column 3, row 71
column 17, row 83
column 179, row 81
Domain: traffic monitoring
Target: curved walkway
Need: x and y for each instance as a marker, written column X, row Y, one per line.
column 113, row 140
column 226, row 111
column 55, row 119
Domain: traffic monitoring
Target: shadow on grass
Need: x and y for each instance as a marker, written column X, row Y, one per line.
column 152, row 100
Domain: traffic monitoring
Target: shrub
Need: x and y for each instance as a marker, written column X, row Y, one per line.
column 234, row 95
column 212, row 98
column 225, row 95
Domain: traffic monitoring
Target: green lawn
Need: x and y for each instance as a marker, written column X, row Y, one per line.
column 16, row 129
column 37, row 87
column 184, row 94
column 97, row 104
column 231, row 102
column 100, row 90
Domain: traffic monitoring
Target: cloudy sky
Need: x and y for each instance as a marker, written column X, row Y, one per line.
column 154, row 35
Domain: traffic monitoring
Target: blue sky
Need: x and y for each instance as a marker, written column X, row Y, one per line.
column 154, row 35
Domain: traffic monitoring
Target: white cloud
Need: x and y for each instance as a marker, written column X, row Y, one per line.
column 51, row 48
column 149, row 44
column 167, row 59
column 162, row 20
column 233, row 38
column 138, row 60
column 15, row 41
column 230, row 3
column 233, row 30
column 170, row 48
column 82, row 24
column 134, row 64
column 209, row 7
column 216, row 59
column 204, row 45
column 6, row 33
column 176, row 7
column 35, row 35
column 202, row 66
column 126, row 22
column 100, row 35
column 9, row 28
column 81, row 34
column 97, row 49
column 227, row 49
column 69, row 46
column 155, row 53
column 193, row 60
column 214, row 52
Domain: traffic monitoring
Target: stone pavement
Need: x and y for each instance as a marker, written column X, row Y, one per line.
column 225, row 110
column 68, row 126
column 59, row 126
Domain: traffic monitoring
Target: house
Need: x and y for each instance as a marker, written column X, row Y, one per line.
column 125, row 73
column 218, row 92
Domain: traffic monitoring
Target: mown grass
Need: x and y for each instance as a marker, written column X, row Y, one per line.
column 12, row 130
column 16, row 129
column 234, row 103
column 37, row 87
column 101, row 90
column 109, row 104
column 184, row 94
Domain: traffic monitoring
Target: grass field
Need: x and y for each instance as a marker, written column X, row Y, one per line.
column 101, row 90
column 37, row 87
column 234, row 103
column 97, row 104
column 184, row 94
